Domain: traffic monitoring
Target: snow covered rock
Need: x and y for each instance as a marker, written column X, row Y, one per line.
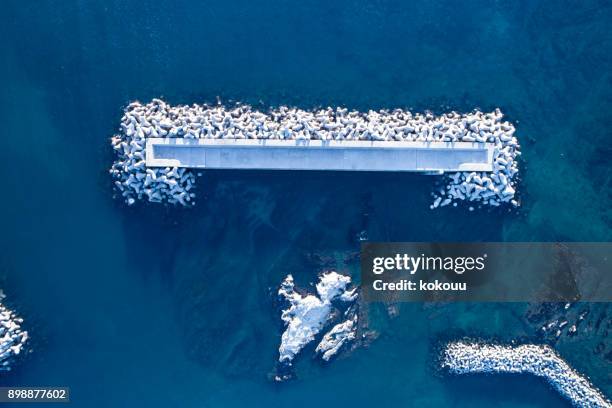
column 307, row 314
column 338, row 336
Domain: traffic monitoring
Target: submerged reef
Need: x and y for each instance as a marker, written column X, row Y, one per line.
column 561, row 323
column 539, row 360
column 306, row 315
column 135, row 181
column 571, row 323
column 12, row 337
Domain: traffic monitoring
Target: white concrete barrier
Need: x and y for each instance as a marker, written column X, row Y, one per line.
column 265, row 154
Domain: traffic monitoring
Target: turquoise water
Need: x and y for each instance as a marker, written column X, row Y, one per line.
column 151, row 307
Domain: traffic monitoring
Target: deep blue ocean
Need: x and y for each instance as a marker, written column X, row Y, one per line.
column 156, row 307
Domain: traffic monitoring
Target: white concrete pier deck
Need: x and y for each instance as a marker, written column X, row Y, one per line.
column 271, row 154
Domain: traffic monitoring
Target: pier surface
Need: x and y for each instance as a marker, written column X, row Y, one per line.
column 268, row 154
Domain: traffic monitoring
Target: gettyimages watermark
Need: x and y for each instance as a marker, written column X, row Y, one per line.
column 487, row 272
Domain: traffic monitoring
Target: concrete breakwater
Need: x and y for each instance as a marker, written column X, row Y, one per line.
column 541, row 361
column 135, row 180
column 12, row 337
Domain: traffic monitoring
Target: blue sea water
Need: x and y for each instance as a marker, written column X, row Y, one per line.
column 147, row 306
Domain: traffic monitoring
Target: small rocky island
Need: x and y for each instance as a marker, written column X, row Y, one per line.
column 333, row 309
